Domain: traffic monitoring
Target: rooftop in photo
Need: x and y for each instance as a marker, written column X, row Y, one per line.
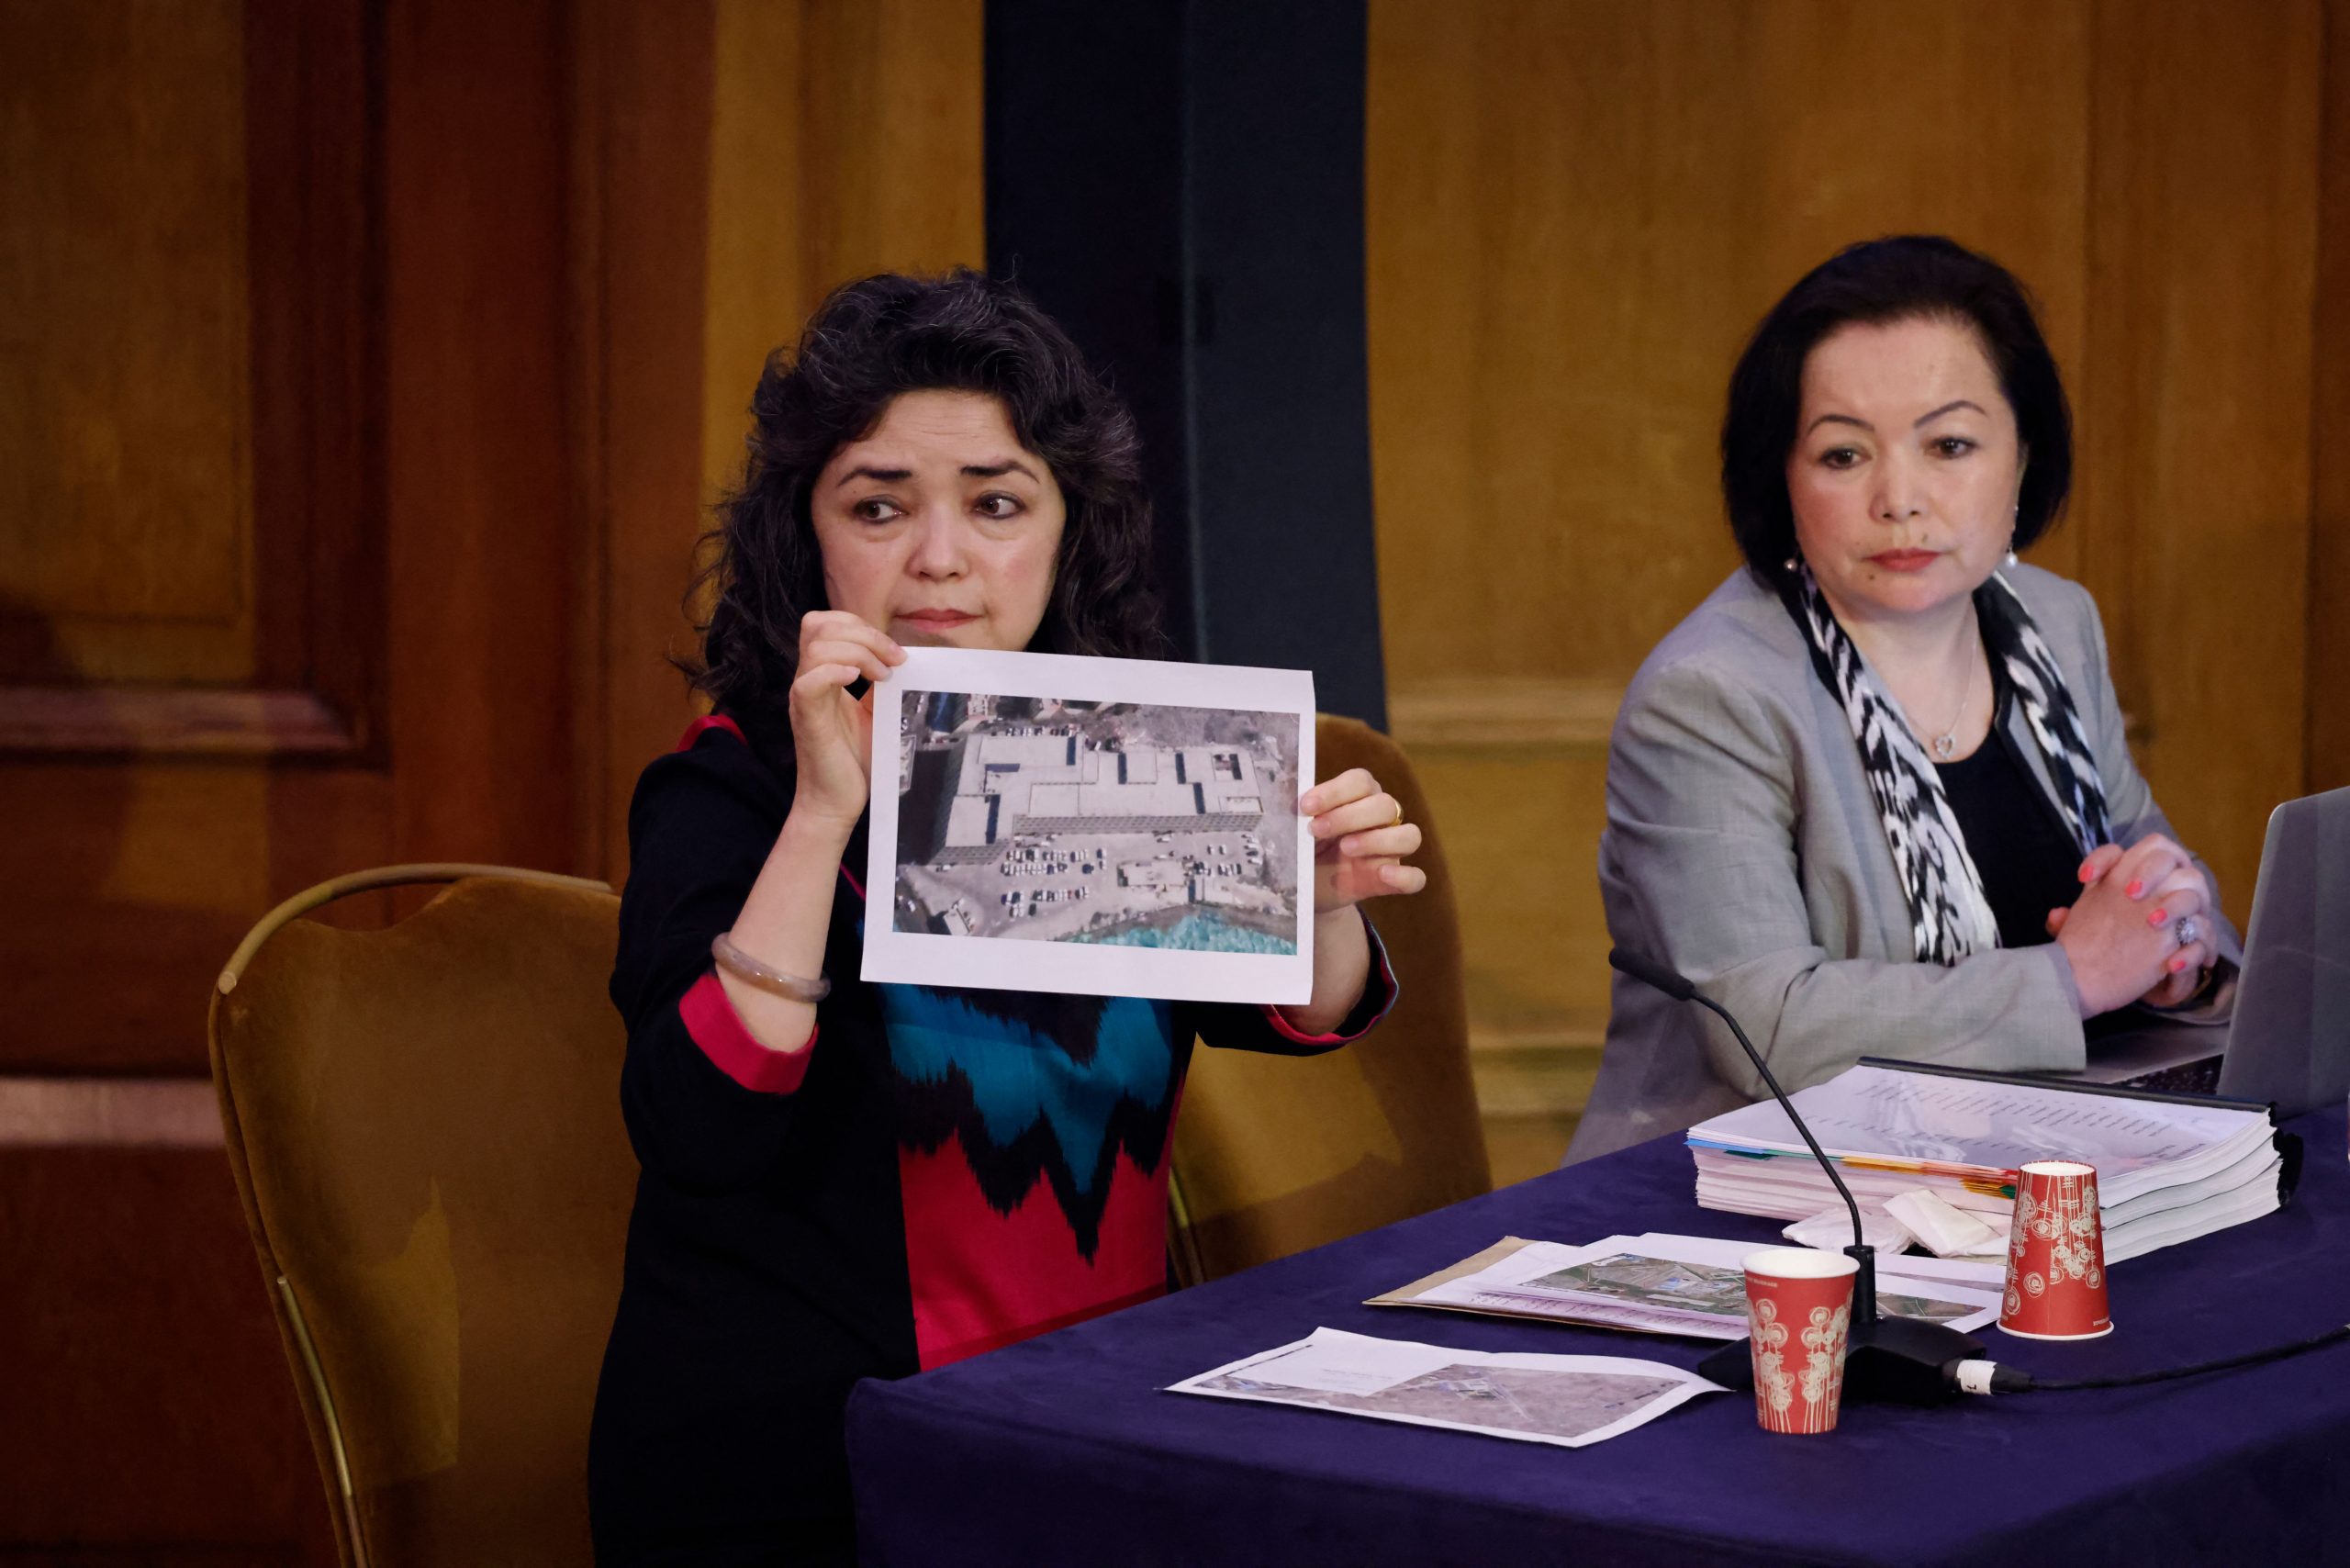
column 1010, row 784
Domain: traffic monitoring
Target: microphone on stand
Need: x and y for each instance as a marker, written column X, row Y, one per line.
column 1904, row 1358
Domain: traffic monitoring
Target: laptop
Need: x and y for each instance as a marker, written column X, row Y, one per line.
column 2291, row 1039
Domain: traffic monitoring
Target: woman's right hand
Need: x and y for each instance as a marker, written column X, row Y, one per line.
column 832, row 733
column 2120, row 933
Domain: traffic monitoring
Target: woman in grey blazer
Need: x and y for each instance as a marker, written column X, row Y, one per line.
column 1874, row 795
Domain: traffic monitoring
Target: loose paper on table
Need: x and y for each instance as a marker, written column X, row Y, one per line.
column 1659, row 1283
column 1105, row 827
column 1568, row 1401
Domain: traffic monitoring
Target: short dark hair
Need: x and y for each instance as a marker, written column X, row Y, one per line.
column 868, row 343
column 1903, row 277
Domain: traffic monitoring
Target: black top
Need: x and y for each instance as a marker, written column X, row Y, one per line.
column 2020, row 845
column 786, row 1243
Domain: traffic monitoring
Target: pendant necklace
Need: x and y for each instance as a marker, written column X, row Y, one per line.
column 1947, row 742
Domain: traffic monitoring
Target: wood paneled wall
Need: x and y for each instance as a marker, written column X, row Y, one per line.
column 1561, row 278
column 842, row 138
column 2328, row 760
column 362, row 396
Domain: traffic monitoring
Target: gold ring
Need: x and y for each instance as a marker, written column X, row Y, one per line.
column 1399, row 815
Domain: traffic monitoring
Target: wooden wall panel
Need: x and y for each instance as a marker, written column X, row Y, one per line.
column 126, row 534
column 401, row 345
column 1561, row 279
column 2193, row 407
column 758, row 290
column 478, row 483
column 149, row 1415
column 122, row 909
column 188, row 539
column 645, row 83
column 315, row 154
column 892, row 179
column 135, row 869
column 2327, row 681
column 1534, row 941
column 841, row 138
column 870, row 162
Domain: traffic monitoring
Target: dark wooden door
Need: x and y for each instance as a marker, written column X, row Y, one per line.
column 284, row 591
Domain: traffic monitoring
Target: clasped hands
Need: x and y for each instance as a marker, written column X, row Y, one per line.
column 1360, row 835
column 2122, row 933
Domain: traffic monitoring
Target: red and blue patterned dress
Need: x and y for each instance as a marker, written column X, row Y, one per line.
column 942, row 1172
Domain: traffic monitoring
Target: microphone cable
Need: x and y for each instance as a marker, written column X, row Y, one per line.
column 1986, row 1377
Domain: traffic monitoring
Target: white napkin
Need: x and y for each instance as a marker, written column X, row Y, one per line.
column 1944, row 1231
column 1830, row 1230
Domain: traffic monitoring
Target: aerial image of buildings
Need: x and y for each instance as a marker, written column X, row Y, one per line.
column 1119, row 822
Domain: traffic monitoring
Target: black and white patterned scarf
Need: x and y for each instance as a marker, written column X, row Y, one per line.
column 1949, row 916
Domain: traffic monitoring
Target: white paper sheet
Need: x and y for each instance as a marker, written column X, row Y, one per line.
column 1568, row 1401
column 1105, row 827
column 1348, row 1363
column 1690, row 1286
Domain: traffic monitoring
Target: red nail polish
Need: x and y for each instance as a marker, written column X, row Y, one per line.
column 2135, row 889
column 2158, row 917
column 2177, row 961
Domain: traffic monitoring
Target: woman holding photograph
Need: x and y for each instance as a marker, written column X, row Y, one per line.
column 1874, row 795
column 843, row 1180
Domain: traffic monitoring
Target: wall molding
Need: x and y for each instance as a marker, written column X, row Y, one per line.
column 104, row 721
column 1480, row 714
column 117, row 1112
column 1535, row 1070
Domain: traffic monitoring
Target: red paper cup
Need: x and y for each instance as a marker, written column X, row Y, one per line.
column 2056, row 1255
column 1799, row 1310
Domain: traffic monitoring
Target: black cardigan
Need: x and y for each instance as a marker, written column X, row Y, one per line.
column 768, row 1254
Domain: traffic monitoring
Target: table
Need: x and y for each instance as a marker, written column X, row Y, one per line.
column 1064, row 1450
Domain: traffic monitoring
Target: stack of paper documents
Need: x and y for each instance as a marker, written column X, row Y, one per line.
column 1659, row 1283
column 2169, row 1170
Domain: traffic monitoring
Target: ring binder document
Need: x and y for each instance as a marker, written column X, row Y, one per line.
column 2170, row 1168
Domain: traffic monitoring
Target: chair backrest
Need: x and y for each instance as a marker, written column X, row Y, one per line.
column 423, row 1125
column 1277, row 1154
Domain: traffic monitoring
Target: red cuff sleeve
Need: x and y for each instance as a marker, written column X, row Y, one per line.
column 718, row 1029
column 1379, row 995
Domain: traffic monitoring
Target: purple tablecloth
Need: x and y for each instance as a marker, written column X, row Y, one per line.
column 1065, row 1451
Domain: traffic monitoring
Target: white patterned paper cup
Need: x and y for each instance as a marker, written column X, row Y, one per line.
column 1799, row 1311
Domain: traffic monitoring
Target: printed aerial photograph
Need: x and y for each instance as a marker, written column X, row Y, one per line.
column 1045, row 820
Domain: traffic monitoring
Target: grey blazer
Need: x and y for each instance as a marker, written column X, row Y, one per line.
column 1743, row 849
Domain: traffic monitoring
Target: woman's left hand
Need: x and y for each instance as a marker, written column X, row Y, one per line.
column 1360, row 840
column 2164, row 876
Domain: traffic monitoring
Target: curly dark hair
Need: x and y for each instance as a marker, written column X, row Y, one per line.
column 870, row 342
column 1902, row 277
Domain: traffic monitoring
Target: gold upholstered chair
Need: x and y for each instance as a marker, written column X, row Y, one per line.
column 1277, row 1154
column 422, row 1123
